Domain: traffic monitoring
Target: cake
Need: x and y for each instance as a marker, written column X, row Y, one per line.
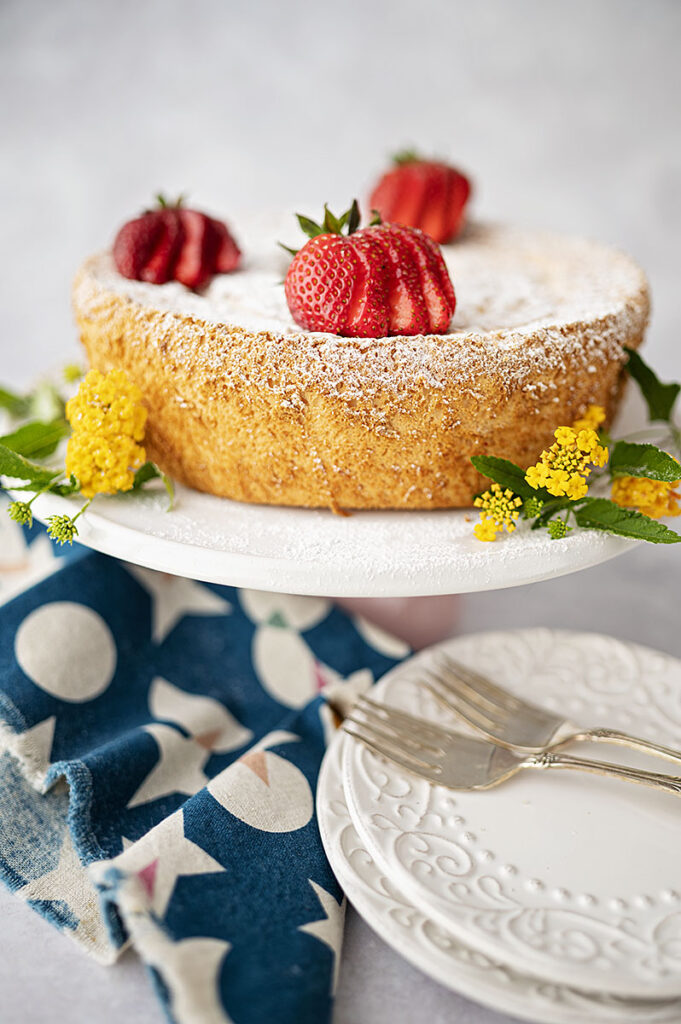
column 245, row 404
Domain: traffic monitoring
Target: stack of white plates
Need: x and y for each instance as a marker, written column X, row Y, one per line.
column 556, row 896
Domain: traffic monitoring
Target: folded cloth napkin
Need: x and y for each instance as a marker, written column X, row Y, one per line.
column 160, row 741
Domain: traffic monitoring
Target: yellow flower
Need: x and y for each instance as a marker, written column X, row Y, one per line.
column 592, row 418
column 563, row 468
column 485, row 530
column 655, row 498
column 498, row 509
column 108, row 421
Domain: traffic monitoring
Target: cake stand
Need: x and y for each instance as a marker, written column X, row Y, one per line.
column 312, row 551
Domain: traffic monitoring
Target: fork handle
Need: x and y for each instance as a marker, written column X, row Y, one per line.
column 670, row 783
column 623, row 739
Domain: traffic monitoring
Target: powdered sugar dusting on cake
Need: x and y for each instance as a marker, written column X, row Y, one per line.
column 520, row 295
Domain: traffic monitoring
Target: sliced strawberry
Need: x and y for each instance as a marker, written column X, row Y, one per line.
column 174, row 243
column 135, row 243
column 320, row 283
column 196, row 258
column 443, row 273
column 227, row 254
column 385, row 195
column 367, row 314
column 437, row 302
column 407, row 307
column 426, row 194
column 458, row 192
column 161, row 264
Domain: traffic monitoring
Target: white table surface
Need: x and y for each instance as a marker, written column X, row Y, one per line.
column 564, row 115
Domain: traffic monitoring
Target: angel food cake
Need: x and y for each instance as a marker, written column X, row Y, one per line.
column 247, row 404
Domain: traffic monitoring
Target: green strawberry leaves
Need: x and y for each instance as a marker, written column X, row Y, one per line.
column 660, row 398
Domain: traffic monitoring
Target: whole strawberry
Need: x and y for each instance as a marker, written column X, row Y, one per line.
column 424, row 194
column 173, row 243
column 379, row 280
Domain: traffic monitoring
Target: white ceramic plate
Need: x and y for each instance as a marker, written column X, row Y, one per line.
column 565, row 875
column 436, row 951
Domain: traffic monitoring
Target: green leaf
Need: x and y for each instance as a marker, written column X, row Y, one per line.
column 288, row 249
column 331, row 223
column 170, row 490
column 659, row 397
column 14, row 465
column 644, row 460
column 406, row 156
column 150, row 471
column 309, row 226
column 507, row 474
column 36, row 440
column 70, row 487
column 15, row 405
column 147, row 472
column 602, row 514
column 353, row 217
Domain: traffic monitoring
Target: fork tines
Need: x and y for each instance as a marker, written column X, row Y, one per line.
column 408, row 741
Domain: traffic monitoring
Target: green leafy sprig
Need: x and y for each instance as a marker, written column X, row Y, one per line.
column 627, row 459
column 27, row 464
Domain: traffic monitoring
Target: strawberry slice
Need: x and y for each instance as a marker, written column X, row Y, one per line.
column 320, row 282
column 458, row 193
column 135, row 244
column 406, row 304
column 367, row 314
column 441, row 267
column 438, row 304
column 197, row 252
column 160, row 265
column 227, row 254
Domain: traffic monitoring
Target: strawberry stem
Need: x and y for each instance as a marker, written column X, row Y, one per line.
column 406, row 156
column 165, row 204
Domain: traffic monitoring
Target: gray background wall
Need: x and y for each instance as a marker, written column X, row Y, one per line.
column 566, row 115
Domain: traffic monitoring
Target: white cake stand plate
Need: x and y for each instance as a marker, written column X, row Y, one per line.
column 313, row 551
column 310, row 551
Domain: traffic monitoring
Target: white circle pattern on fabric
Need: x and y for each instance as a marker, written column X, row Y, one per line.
column 265, row 791
column 66, row 649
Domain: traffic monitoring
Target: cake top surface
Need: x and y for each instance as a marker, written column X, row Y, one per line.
column 509, row 282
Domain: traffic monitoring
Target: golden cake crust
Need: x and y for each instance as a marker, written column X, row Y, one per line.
column 257, row 410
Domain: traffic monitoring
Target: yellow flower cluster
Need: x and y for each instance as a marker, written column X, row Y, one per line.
column 108, row 421
column 563, row 468
column 591, row 420
column 654, row 498
column 498, row 509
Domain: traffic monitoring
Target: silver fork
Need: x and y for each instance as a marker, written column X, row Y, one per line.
column 515, row 723
column 456, row 761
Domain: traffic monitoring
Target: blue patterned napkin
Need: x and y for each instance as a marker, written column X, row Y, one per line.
column 160, row 741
